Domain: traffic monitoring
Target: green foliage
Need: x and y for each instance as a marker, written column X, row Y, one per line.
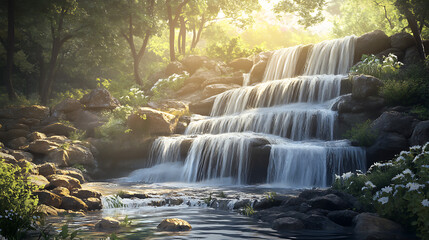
column 310, row 12
column 116, row 122
column 66, row 234
column 80, row 167
column 270, row 196
column 75, row 93
column 163, row 88
column 134, row 98
column 126, row 221
column 397, row 189
column 248, row 210
column 231, row 49
column 221, row 194
column 421, row 112
column 65, row 146
column 115, row 201
column 18, row 207
column 78, row 135
column 208, row 200
column 399, row 92
column 386, row 68
column 362, row 134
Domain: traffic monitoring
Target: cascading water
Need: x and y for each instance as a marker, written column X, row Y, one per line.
column 278, row 132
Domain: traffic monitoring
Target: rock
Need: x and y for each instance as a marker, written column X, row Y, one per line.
column 371, row 43
column 174, row 224
column 29, row 121
column 150, row 121
column 420, row 134
column 15, row 133
column 107, row 223
column 224, row 80
column 385, row 147
column 85, row 193
column 328, row 202
column 367, row 223
column 243, row 64
column 38, row 180
column 342, row 217
column 128, row 194
column 61, row 191
column 21, row 155
column 370, row 105
column 48, row 198
column 20, row 126
column 32, row 168
column 47, row 210
column 317, row 222
column 93, row 203
column 30, row 112
column 395, row 51
column 84, row 119
column 47, row 169
column 69, row 154
column 72, row 173
column 193, row 63
column 412, row 56
column 288, row 223
column 200, row 76
column 35, row 136
column 365, row 86
column 188, row 89
column 67, row 105
column 99, row 99
column 175, row 201
column 8, row 158
column 257, row 72
column 43, row 146
column 73, row 203
column 18, row 143
column 56, row 180
column 215, row 89
column 402, row 40
column 394, row 122
column 180, row 128
column 58, row 129
column 174, row 68
column 203, row 107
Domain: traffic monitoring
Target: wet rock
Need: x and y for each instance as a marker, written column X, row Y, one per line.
column 347, row 104
column 420, row 134
column 48, row 198
column 317, row 222
column 47, row 169
column 107, row 223
column 61, row 191
column 365, row 86
column 47, row 210
column 58, row 129
column 193, row 63
column 151, row 121
column 328, row 202
column 18, row 143
column 342, row 217
column 86, row 193
column 174, row 224
column 269, row 203
column 35, row 136
column 56, row 180
column 371, row 43
column 257, row 72
column 72, row 173
column 395, row 122
column 385, row 147
column 174, row 67
column 157, row 203
column 367, row 223
column 174, row 201
column 242, row 203
column 203, row 107
column 73, row 203
column 215, row 89
column 402, row 40
column 99, row 99
column 128, row 194
column 93, row 203
column 288, row 223
column 38, row 180
column 243, row 64
column 180, row 128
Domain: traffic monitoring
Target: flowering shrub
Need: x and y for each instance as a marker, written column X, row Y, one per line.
column 17, row 204
column 134, row 98
column 371, row 65
column 116, row 122
column 397, row 189
column 163, row 87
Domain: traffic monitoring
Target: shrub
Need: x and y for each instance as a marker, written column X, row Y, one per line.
column 78, row 135
column 399, row 92
column 248, row 210
column 362, row 134
column 134, row 98
column 421, row 112
column 75, row 93
column 18, row 207
column 116, row 122
column 386, row 68
column 231, row 49
column 164, row 87
column 397, row 189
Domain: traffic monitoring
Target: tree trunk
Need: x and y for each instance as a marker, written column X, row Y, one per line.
column 49, row 80
column 183, row 30
column 172, row 37
column 200, row 31
column 416, row 32
column 179, row 41
column 137, row 77
column 10, row 48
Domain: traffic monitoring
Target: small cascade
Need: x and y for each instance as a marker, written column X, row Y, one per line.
column 282, row 64
column 331, row 57
column 311, row 89
column 246, row 79
column 297, row 121
column 166, row 149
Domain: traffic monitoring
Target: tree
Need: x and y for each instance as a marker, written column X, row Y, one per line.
column 174, row 11
column 10, row 48
column 311, row 12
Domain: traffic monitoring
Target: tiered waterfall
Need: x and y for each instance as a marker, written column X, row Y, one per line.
column 280, row 131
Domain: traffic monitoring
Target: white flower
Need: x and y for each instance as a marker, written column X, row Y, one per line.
column 387, row 189
column 425, row 166
column 370, row 184
column 399, row 176
column 400, row 158
column 383, row 200
column 414, row 186
column 417, row 157
column 364, row 188
column 408, row 171
column 337, row 177
column 425, row 203
column 416, row 147
column 404, row 153
column 347, row 175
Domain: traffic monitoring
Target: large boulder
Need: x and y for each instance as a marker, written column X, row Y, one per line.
column 8, row 158
column 395, row 122
column 47, row 169
column 18, row 154
column 107, row 223
column 193, row 63
column 385, row 147
column 348, row 104
column 14, row 133
column 61, row 191
column 31, row 112
column 85, row 193
column 365, row 86
column 235, row 79
column 174, row 67
column 48, row 198
column 35, row 136
column 174, row 224
column 73, row 203
column 420, row 134
column 258, row 70
column 38, row 180
column 367, row 224
column 342, row 217
column 412, row 56
column 400, row 54
column 18, row 143
column 189, row 88
column 201, row 75
column 84, row 119
column 43, row 146
column 93, row 203
column 67, row 105
column 215, row 89
column 288, row 223
column 99, row 99
column 65, row 181
column 402, row 40
column 58, row 129
column 243, row 64
column 203, row 107
column 328, row 202
column 151, row 121
column 371, row 43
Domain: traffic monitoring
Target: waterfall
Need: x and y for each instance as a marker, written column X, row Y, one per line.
column 331, row 57
column 282, row 64
column 280, row 131
column 316, row 89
